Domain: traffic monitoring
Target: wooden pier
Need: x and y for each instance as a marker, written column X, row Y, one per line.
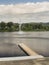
column 33, row 58
column 28, row 50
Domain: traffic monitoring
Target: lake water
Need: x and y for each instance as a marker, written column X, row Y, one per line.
column 37, row 41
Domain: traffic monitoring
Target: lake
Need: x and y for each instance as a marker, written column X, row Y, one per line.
column 37, row 41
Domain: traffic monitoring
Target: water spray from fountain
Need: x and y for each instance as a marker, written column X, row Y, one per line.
column 20, row 23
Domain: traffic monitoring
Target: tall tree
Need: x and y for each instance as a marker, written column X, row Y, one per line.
column 2, row 25
column 9, row 24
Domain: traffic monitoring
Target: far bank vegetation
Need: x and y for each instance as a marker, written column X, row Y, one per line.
column 12, row 27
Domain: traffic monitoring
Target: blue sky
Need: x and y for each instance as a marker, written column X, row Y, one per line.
column 19, row 1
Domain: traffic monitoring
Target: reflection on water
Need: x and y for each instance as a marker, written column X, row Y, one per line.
column 10, row 50
column 37, row 41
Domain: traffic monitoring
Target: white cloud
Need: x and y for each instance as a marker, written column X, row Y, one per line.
column 24, row 8
column 12, row 12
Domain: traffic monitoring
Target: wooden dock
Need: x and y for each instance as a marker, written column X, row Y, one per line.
column 33, row 58
column 28, row 50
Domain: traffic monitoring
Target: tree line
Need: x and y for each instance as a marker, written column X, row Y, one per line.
column 11, row 27
column 35, row 27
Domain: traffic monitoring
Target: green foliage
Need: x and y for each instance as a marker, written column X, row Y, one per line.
column 2, row 26
column 16, row 27
column 35, row 27
column 9, row 24
column 11, row 27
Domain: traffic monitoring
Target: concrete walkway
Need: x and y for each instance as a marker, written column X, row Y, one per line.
column 26, row 62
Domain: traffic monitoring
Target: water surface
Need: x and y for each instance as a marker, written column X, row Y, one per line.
column 37, row 41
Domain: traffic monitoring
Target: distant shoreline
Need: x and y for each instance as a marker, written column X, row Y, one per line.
column 26, row 27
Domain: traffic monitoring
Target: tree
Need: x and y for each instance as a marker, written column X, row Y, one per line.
column 16, row 26
column 9, row 24
column 2, row 26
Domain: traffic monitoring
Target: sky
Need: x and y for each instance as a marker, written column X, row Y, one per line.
column 24, row 10
column 19, row 1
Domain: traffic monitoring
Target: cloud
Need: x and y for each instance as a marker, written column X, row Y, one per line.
column 24, row 8
column 37, row 12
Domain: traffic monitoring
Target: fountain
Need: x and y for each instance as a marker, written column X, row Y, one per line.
column 20, row 31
